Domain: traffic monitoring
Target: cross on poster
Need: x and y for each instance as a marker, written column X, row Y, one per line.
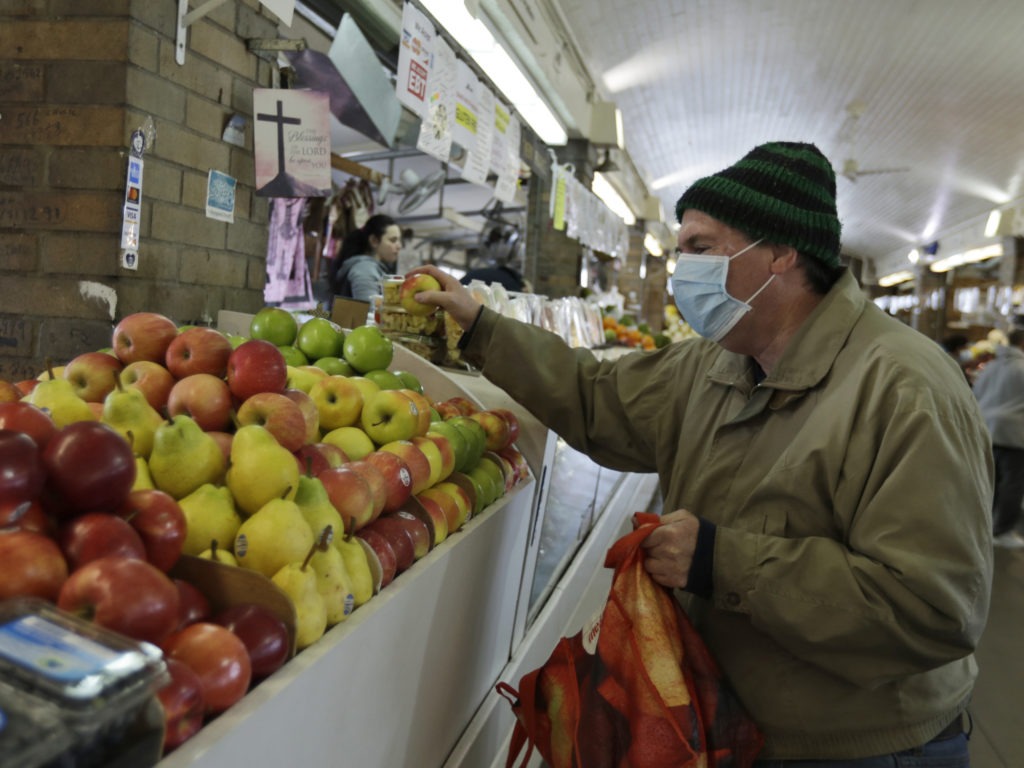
column 292, row 140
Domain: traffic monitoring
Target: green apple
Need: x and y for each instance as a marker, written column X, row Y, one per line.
column 235, row 340
column 385, row 379
column 366, row 348
column 410, row 381
column 389, row 415
column 319, row 337
column 276, row 325
column 475, row 437
column 293, row 356
column 335, row 366
column 434, row 415
column 352, row 440
column 490, row 488
column 455, row 437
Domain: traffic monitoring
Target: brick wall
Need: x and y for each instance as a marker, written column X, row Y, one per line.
column 76, row 78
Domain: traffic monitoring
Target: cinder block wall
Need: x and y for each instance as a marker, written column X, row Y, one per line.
column 76, row 78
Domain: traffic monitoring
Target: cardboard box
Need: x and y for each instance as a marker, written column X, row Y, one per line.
column 349, row 313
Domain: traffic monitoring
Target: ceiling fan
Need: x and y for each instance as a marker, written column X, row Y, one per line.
column 414, row 190
column 851, row 170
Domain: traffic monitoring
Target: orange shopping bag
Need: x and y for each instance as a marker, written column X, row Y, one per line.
column 639, row 691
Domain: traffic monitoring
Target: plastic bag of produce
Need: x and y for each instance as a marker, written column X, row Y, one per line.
column 638, row 689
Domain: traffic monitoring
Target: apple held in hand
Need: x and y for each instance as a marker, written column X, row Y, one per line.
column 150, row 378
column 31, row 565
column 89, row 466
column 264, row 635
column 128, row 596
column 160, row 523
column 256, row 366
column 218, row 657
column 94, row 535
column 198, row 350
column 143, row 336
column 279, row 415
column 182, row 702
column 205, row 398
column 390, row 415
column 93, row 375
column 413, row 285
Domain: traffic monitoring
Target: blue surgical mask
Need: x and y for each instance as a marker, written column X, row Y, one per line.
column 698, row 286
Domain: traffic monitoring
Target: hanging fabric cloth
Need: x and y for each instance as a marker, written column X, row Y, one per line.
column 288, row 284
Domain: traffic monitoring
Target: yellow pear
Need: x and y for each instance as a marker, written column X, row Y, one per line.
column 210, row 515
column 316, row 507
column 218, row 554
column 357, row 565
column 276, row 535
column 332, row 579
column 260, row 469
column 58, row 397
column 184, row 457
column 143, row 481
column 128, row 412
column 298, row 580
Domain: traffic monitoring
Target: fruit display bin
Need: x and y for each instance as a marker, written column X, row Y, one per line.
column 397, row 682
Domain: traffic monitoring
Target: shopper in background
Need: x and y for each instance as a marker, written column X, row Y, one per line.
column 367, row 255
column 829, row 472
column 1000, row 392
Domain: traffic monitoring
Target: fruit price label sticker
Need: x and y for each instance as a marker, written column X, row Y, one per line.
column 241, row 545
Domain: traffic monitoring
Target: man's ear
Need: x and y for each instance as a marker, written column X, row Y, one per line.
column 784, row 258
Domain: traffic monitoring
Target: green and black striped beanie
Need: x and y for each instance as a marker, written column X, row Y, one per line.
column 783, row 192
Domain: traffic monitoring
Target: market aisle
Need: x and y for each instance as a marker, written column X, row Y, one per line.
column 998, row 738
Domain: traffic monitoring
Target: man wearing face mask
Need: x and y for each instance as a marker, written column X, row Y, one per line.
column 829, row 472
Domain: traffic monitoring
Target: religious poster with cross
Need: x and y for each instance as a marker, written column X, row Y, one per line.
column 292, row 142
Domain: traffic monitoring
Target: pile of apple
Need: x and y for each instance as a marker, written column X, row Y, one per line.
column 187, row 441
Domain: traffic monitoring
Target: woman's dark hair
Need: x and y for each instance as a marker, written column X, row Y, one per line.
column 358, row 242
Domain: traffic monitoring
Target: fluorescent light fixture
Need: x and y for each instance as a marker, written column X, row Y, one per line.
column 643, row 267
column 967, row 257
column 914, row 256
column 604, row 190
column 896, row 278
column 992, row 225
column 477, row 40
column 584, row 273
column 670, row 266
column 653, row 246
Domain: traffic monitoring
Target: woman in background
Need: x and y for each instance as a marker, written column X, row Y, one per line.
column 366, row 257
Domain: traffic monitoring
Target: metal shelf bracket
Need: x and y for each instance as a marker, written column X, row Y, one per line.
column 187, row 18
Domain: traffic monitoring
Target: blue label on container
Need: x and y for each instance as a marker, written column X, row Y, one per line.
column 41, row 646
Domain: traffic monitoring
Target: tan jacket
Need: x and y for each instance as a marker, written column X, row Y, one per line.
column 851, row 490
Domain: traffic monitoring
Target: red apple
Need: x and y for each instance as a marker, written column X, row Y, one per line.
column 143, row 336
column 397, row 536
column 412, row 285
column 31, row 565
column 350, row 494
column 444, row 447
column 204, row 397
column 463, row 501
column 182, row 703
column 432, row 451
column 218, row 657
column 160, row 523
column 128, row 596
column 265, row 636
column 447, row 409
column 223, row 440
column 513, row 423
column 495, row 428
column 193, row 604
column 375, row 479
column 385, row 553
column 448, row 505
column 417, row 530
column 438, row 519
column 94, row 535
column 310, row 460
column 21, row 467
column 150, row 378
column 415, row 460
column 397, row 478
column 256, row 366
column 30, row 419
column 89, row 466
column 465, row 406
column 334, row 454
column 93, row 375
column 25, row 386
column 278, row 414
column 198, row 350
column 8, row 392
column 309, row 412
column 24, row 515
column 422, row 407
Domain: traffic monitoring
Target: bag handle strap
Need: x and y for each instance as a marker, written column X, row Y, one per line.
column 519, row 739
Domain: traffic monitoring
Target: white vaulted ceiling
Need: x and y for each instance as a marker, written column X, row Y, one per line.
column 932, row 86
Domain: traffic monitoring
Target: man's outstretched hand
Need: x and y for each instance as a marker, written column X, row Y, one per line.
column 455, row 298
